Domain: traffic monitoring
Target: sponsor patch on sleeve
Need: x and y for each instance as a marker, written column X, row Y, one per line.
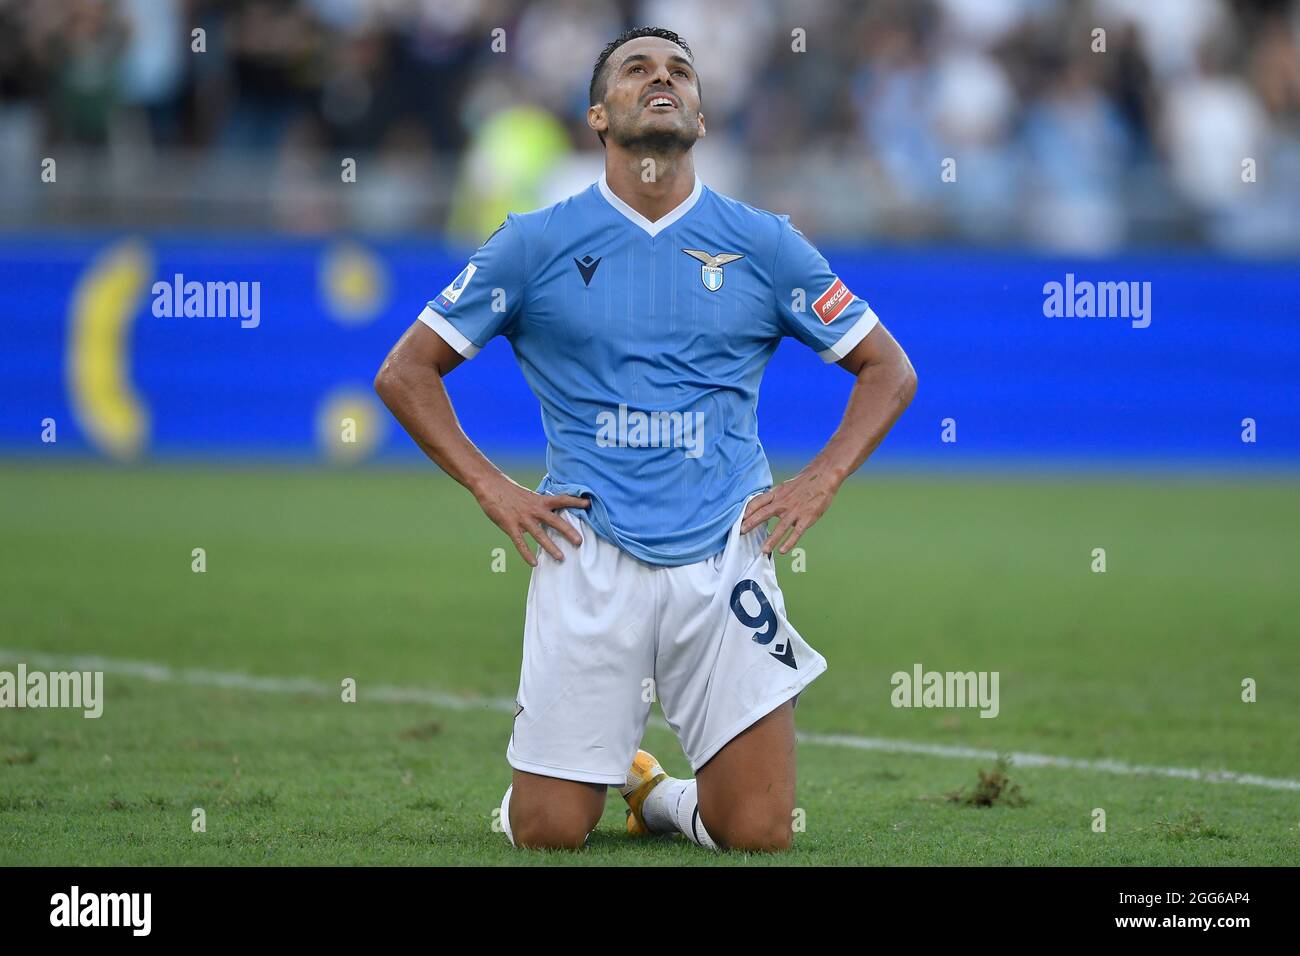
column 832, row 302
column 448, row 296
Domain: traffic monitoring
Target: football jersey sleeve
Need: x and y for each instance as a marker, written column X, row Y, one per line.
column 486, row 298
column 813, row 304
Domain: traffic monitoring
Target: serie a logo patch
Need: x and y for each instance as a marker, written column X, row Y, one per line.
column 832, row 302
column 447, row 298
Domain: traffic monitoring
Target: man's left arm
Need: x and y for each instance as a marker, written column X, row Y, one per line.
column 885, row 385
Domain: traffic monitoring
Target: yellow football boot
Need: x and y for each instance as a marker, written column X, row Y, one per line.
column 644, row 775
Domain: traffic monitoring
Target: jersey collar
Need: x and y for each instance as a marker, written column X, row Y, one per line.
column 663, row 222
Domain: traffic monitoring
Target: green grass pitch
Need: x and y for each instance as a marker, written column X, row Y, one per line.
column 385, row 577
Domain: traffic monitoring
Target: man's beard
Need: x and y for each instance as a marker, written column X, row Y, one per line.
column 656, row 142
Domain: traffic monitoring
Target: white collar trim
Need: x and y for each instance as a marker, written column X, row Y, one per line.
column 663, row 222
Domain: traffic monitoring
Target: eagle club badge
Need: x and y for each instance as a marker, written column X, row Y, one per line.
column 711, row 266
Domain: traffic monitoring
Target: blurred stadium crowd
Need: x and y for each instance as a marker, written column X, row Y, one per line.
column 1154, row 141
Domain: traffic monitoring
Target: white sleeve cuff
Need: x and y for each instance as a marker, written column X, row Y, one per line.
column 449, row 333
column 851, row 338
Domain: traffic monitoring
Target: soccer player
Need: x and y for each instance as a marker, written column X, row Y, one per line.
column 642, row 312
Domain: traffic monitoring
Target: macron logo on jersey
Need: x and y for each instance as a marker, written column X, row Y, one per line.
column 448, row 296
column 832, row 302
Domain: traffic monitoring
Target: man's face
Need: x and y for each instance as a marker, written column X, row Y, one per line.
column 652, row 99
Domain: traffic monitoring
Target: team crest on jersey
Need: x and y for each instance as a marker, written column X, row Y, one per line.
column 711, row 266
column 447, row 298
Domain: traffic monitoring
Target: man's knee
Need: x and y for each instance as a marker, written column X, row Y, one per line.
column 547, row 814
column 754, row 830
column 533, row 833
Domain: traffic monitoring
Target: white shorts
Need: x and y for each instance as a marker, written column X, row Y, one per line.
column 606, row 634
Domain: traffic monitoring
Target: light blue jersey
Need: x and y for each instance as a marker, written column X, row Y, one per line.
column 645, row 343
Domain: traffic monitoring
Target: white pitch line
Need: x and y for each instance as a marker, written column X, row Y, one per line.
column 198, row 677
column 1020, row 759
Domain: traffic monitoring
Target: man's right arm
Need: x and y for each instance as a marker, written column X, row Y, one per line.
column 410, row 384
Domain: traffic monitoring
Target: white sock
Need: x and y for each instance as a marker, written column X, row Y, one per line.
column 675, row 805
column 660, row 807
column 505, row 815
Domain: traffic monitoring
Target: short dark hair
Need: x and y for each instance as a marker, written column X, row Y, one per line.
column 596, row 92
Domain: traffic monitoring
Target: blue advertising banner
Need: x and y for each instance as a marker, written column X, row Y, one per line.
column 1143, row 359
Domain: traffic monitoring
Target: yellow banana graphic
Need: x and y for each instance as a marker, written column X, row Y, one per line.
column 104, row 303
